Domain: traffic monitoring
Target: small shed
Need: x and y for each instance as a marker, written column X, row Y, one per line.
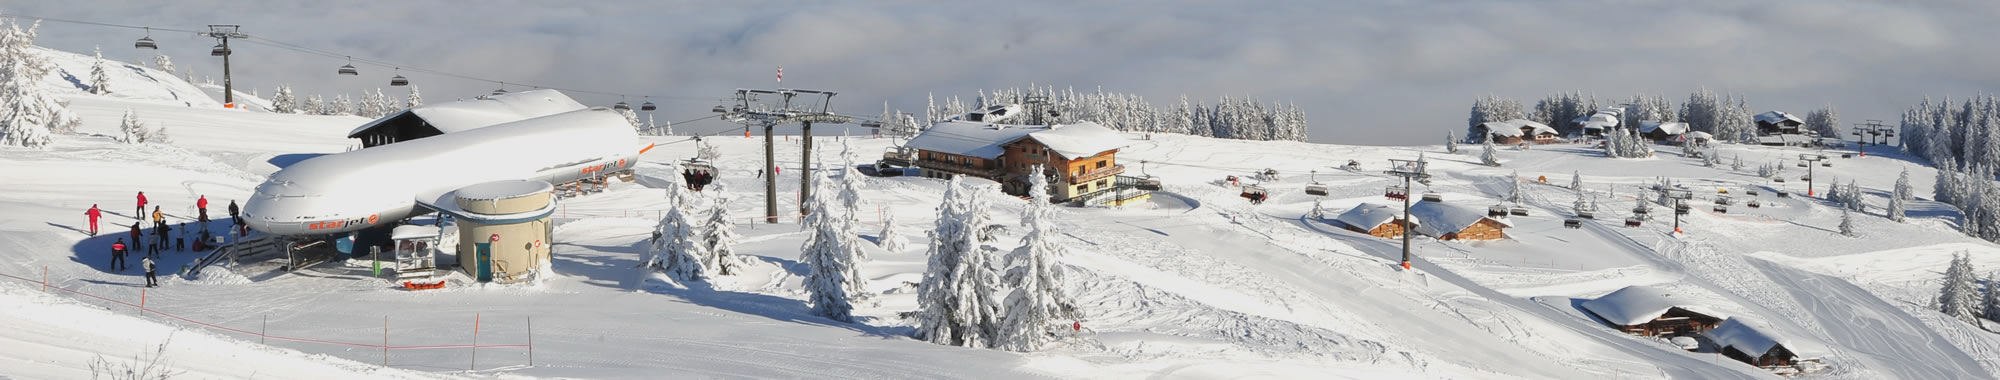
column 1778, row 123
column 1758, row 343
column 1650, row 311
column 1446, row 221
column 1596, row 124
column 504, row 228
column 1374, row 219
column 1662, row 131
column 416, row 250
column 1501, row 132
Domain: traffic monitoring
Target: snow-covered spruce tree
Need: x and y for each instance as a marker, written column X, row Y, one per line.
column 1514, row 187
column 373, row 104
column 850, row 183
column 162, row 62
column 1318, row 212
column 1038, row 297
column 1896, row 209
column 29, row 115
column 282, row 101
column 720, row 238
column 828, row 254
column 1489, row 157
column 313, row 106
column 943, row 313
column 160, row 135
column 1846, row 222
column 130, row 129
column 1576, row 181
column 100, row 81
column 676, row 253
column 1958, row 298
column 1579, row 206
column 1854, row 198
column 414, row 100
column 1989, row 306
column 889, row 240
column 1903, row 190
column 341, row 105
column 1942, row 188
column 1825, row 121
column 1833, row 193
column 1450, row 143
column 1736, row 162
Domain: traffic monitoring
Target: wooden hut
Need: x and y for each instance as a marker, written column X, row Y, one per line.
column 1373, row 219
column 1649, row 311
column 1759, row 344
column 1446, row 221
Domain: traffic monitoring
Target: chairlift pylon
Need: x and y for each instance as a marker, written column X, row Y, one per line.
column 146, row 42
column 348, row 69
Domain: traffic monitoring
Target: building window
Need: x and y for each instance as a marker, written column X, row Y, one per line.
column 1100, row 164
column 1084, row 188
column 1101, row 183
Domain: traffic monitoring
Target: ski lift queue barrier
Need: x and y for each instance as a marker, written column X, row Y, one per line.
column 262, row 335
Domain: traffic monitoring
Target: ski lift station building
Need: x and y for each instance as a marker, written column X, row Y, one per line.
column 503, row 228
column 1080, row 159
column 451, row 117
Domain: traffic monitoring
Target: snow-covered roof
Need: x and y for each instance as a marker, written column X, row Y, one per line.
column 1701, row 135
column 1598, row 121
column 463, row 115
column 413, row 231
column 1441, row 218
column 1515, row 127
column 1367, row 216
column 1784, row 139
column 1640, row 304
column 1756, row 337
column 504, row 189
column 1083, row 139
column 1774, row 117
column 968, row 138
column 1671, row 128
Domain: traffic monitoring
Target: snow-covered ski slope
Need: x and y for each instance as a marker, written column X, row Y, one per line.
column 1195, row 284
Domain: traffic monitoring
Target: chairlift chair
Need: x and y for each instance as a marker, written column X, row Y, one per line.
column 1778, row 179
column 1573, row 223
column 1826, row 164
column 648, row 106
column 146, row 42
column 1315, row 188
column 399, row 80
column 1721, row 200
column 1147, row 182
column 1802, row 164
column 1641, row 211
column 1518, row 211
column 1586, row 215
column 1395, row 192
column 1681, row 209
column 1496, row 211
column 1750, row 192
column 1433, row 197
column 348, row 69
column 1783, row 194
column 219, row 50
column 1631, row 222
column 1719, row 209
column 1754, row 204
column 1255, row 194
column 621, row 106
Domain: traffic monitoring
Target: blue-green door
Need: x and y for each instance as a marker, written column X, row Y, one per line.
column 483, row 253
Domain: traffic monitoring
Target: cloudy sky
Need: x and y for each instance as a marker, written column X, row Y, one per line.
column 1366, row 72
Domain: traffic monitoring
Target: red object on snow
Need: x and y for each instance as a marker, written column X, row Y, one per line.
column 201, row 203
column 1078, row 325
column 417, row 286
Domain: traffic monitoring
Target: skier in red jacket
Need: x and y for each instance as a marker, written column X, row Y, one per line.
column 141, row 214
column 93, row 214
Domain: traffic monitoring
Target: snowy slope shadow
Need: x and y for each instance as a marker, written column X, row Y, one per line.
column 287, row 160
column 776, row 308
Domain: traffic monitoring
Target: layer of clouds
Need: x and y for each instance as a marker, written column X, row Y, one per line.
column 1367, row 72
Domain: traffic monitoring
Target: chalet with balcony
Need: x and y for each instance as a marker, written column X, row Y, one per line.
column 1079, row 159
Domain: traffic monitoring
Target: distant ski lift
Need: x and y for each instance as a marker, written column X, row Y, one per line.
column 1255, row 194
column 1496, row 211
column 1316, row 188
column 1586, row 215
column 399, row 80
column 1631, row 222
column 1147, row 182
column 621, row 106
column 1640, row 211
column 1518, row 211
column 1826, row 163
column 1784, row 194
column 1750, row 192
column 1721, row 200
column 146, row 42
column 1719, row 209
column 1754, row 204
column 1778, row 179
column 718, row 109
column 219, row 50
column 502, row 90
column 348, row 69
column 1433, row 197
column 1573, row 223
column 1681, row 209
column 1802, row 164
column 1395, row 192
column 648, row 106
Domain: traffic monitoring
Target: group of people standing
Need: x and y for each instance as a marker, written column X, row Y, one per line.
column 161, row 234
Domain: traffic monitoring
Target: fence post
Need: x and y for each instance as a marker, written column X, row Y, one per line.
column 142, row 302
column 45, row 279
column 475, row 343
column 385, row 340
column 531, row 341
column 261, row 329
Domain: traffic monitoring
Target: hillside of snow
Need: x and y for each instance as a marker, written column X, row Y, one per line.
column 1196, row 283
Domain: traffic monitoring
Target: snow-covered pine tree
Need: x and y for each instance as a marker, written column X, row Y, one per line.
column 631, row 118
column 100, row 81
column 341, row 105
column 1942, row 188
column 414, row 100
column 164, row 63
column 1854, row 198
column 29, row 115
column 1736, row 162
column 1903, row 190
column 313, row 106
column 1846, row 222
column 676, row 252
column 1825, row 121
column 943, row 313
column 1958, row 297
column 1833, row 191
column 850, row 183
column 828, row 253
column 1038, row 296
column 720, row 238
column 889, row 240
column 1318, row 212
column 1450, row 143
column 1489, row 157
column 1576, row 181
column 373, row 104
column 1514, row 187
column 1896, row 209
column 1990, row 305
column 160, row 135
column 130, row 129
column 282, row 101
